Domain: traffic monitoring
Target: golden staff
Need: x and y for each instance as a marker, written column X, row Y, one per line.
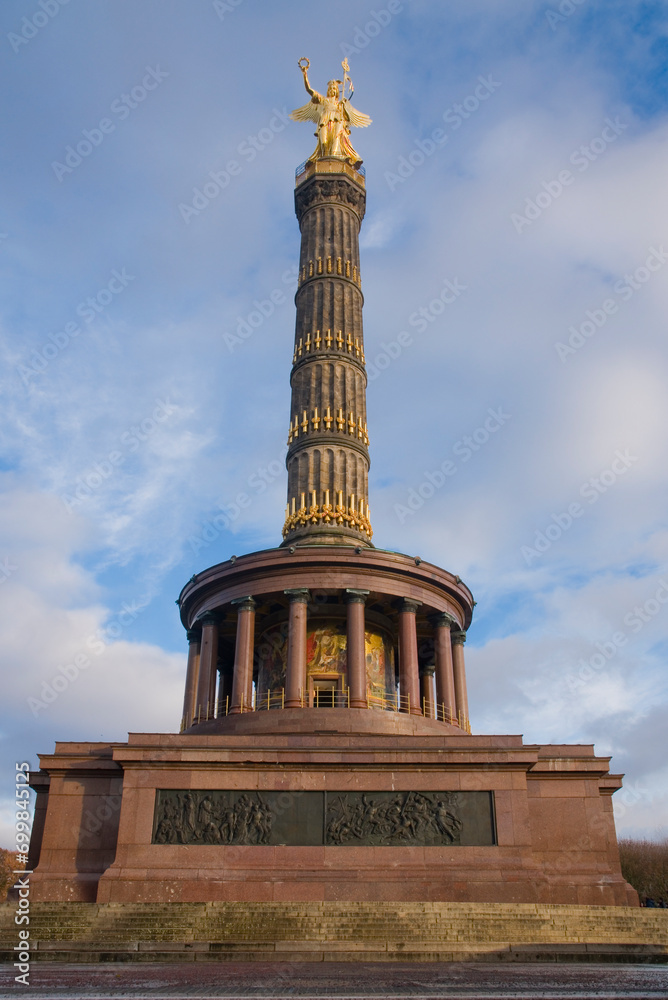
column 346, row 79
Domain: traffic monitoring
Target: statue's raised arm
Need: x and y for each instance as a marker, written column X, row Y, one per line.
column 333, row 115
column 304, row 64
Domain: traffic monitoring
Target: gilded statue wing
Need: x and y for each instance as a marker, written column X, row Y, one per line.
column 355, row 117
column 309, row 112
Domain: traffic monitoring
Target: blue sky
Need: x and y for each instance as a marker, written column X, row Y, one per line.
column 517, row 151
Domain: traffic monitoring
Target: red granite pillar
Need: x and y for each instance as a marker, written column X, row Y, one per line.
column 427, row 702
column 458, row 640
column 445, row 681
column 242, row 679
column 409, row 681
column 295, row 677
column 226, row 675
column 356, row 655
column 190, row 695
column 208, row 660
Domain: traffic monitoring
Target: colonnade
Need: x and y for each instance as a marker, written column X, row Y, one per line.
column 435, row 689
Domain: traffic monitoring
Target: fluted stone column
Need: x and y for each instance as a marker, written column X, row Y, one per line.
column 356, row 655
column 328, row 453
column 207, row 665
column 409, row 681
column 295, row 679
column 242, row 680
column 458, row 640
column 190, row 695
column 427, row 691
column 445, row 681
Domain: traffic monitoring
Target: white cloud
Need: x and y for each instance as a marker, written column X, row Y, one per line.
column 71, row 665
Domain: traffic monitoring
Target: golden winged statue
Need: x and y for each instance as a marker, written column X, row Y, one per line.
column 333, row 114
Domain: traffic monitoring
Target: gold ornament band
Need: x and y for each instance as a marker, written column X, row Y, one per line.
column 355, row 515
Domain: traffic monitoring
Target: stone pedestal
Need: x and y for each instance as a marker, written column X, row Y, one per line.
column 282, row 801
column 551, row 838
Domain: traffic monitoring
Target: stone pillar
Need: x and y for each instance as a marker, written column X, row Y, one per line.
column 226, row 675
column 409, row 682
column 190, row 696
column 208, row 660
column 355, row 651
column 242, row 679
column 445, row 681
column 295, row 678
column 427, row 703
column 458, row 640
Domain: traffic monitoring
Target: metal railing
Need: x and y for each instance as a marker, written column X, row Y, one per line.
column 427, row 708
column 328, row 698
column 270, row 700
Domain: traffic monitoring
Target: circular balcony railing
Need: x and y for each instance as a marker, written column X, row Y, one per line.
column 328, row 698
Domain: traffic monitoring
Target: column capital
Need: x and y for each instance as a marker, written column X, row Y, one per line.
column 209, row 618
column 458, row 637
column 244, row 603
column 442, row 618
column 298, row 595
column 356, row 596
column 194, row 635
column 408, row 604
column 428, row 671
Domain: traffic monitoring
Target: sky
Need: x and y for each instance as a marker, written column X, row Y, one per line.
column 516, row 167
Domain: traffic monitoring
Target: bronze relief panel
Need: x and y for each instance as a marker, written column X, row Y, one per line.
column 296, row 818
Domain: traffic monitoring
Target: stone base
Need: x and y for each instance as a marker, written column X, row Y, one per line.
column 553, row 838
column 338, row 932
column 318, row 722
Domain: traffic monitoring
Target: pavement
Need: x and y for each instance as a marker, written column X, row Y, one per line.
column 337, row 981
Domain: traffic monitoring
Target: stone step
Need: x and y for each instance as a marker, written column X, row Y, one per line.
column 340, row 931
column 379, row 952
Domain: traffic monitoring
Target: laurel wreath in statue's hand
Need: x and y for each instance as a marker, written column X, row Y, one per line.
column 303, row 63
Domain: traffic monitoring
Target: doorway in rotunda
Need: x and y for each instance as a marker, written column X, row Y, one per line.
column 326, row 690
